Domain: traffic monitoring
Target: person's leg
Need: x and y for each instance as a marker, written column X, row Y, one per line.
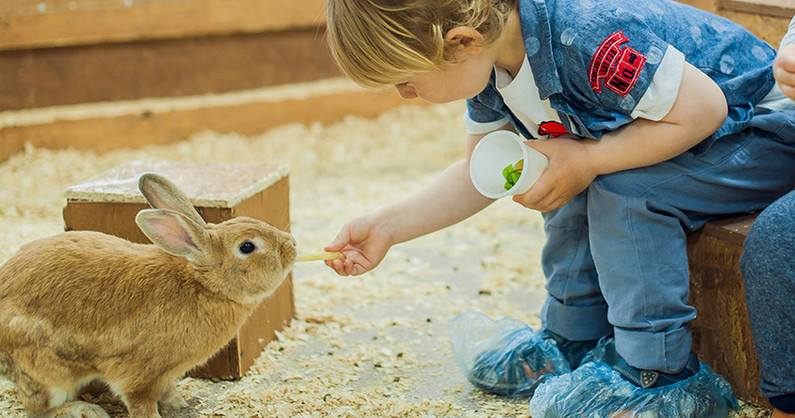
column 509, row 358
column 641, row 257
column 768, row 266
column 637, row 221
column 575, row 309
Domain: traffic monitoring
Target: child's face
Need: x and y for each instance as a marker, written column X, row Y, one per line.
column 462, row 80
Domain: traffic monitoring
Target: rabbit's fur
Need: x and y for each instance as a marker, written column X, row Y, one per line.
column 80, row 306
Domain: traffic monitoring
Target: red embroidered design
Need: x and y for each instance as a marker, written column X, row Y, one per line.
column 619, row 67
column 552, row 128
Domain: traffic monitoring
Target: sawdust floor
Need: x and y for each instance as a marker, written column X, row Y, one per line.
column 369, row 346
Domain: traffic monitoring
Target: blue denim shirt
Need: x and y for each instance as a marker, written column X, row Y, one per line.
column 594, row 60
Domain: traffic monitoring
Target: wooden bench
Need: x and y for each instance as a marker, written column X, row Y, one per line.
column 721, row 331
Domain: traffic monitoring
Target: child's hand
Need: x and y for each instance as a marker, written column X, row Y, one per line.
column 361, row 244
column 568, row 174
column 784, row 70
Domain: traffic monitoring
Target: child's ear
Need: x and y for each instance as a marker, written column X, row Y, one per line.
column 465, row 37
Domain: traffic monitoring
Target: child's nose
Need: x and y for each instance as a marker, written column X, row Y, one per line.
column 406, row 92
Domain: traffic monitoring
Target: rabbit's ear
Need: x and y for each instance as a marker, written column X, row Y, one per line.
column 174, row 232
column 163, row 194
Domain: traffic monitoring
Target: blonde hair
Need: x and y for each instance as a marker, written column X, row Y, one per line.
column 380, row 42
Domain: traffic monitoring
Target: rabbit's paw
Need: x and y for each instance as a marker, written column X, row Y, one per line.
column 80, row 410
column 172, row 399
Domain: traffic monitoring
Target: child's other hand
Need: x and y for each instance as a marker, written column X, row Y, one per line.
column 362, row 245
column 568, row 174
column 784, row 70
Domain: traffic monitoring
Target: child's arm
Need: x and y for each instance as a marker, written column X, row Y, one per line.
column 449, row 198
column 700, row 108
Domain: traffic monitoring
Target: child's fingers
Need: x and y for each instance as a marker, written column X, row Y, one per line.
column 338, row 266
column 334, row 246
column 353, row 268
column 784, row 75
column 350, row 263
column 786, row 58
column 788, row 90
column 546, row 203
column 784, row 70
column 786, row 81
column 537, row 197
column 342, row 239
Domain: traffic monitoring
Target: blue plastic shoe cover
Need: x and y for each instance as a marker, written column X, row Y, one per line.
column 596, row 390
column 503, row 356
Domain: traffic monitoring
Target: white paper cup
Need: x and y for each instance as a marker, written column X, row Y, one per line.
column 493, row 153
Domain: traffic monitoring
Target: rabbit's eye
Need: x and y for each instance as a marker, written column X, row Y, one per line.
column 247, row 247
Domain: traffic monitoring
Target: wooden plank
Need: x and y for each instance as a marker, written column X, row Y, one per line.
column 731, row 230
column 783, row 8
column 55, row 23
column 162, row 68
column 104, row 127
column 769, row 27
column 770, row 3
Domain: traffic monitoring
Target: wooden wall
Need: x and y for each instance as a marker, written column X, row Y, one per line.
column 156, row 49
column 767, row 19
column 104, row 74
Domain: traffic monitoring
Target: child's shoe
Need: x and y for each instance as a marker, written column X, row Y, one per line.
column 648, row 379
column 598, row 390
column 507, row 357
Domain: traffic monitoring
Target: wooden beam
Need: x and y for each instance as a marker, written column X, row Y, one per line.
column 162, row 68
column 53, row 23
column 103, row 127
column 768, row 26
column 782, row 8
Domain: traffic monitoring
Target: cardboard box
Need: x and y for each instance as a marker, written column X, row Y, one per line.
column 721, row 331
column 109, row 202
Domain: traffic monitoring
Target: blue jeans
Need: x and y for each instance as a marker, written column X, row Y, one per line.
column 615, row 257
column 768, row 266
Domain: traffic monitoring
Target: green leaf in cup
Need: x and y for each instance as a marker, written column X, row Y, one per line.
column 512, row 172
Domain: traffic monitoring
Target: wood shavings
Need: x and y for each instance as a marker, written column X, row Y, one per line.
column 369, row 346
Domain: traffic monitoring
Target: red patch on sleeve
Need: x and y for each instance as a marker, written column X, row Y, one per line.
column 620, row 67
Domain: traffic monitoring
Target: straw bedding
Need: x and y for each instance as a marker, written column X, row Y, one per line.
column 372, row 345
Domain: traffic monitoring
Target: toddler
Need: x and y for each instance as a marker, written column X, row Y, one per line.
column 655, row 117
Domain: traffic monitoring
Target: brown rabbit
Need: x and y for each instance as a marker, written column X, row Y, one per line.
column 80, row 306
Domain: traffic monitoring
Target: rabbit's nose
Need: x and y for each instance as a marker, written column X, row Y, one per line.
column 288, row 251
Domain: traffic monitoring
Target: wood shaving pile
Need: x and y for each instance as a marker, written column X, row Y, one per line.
column 369, row 346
